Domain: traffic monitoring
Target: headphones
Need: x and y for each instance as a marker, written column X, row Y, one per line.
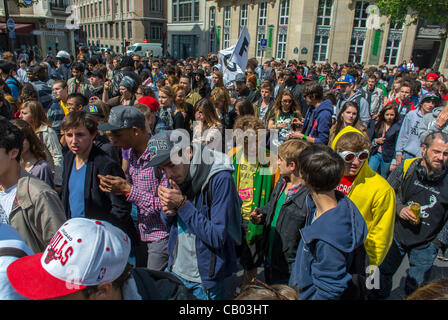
column 431, row 177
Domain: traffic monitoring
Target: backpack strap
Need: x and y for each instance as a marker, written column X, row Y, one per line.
column 12, row 252
column 145, row 284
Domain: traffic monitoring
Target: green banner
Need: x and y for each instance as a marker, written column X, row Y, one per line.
column 218, row 36
column 376, row 42
column 270, row 36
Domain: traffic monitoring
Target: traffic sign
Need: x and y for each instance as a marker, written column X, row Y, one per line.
column 12, row 35
column 11, row 25
column 28, row 2
column 263, row 42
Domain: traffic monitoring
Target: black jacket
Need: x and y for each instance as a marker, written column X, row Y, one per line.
column 388, row 149
column 100, row 205
column 291, row 219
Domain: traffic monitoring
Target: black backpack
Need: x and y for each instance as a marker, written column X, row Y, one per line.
column 160, row 285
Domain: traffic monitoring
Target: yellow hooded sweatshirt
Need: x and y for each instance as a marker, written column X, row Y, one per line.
column 375, row 199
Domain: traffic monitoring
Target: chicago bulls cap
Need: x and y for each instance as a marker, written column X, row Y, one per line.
column 83, row 252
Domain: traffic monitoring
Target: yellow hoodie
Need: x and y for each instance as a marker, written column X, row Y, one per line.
column 375, row 199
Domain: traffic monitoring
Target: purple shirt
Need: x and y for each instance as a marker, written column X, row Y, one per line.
column 144, row 195
column 43, row 171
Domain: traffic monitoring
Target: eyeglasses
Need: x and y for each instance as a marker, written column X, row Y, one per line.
column 349, row 156
column 139, row 92
column 287, row 101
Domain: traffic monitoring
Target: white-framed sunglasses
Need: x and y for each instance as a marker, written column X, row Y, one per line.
column 349, row 156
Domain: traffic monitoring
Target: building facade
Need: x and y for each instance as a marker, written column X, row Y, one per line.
column 186, row 28
column 43, row 24
column 321, row 30
column 117, row 24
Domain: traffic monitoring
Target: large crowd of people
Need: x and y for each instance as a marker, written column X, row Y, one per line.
column 114, row 164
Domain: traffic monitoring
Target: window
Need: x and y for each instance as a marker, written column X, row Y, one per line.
column 156, row 5
column 117, row 35
column 393, row 43
column 108, row 6
column 101, row 4
column 111, row 30
column 185, row 10
column 322, row 30
column 101, row 30
column 96, row 31
column 156, row 31
column 129, row 30
column 88, row 33
column 243, row 16
column 361, row 14
column 105, row 31
column 122, row 30
column 281, row 46
column 226, row 26
column 96, row 9
column 359, row 32
column 284, row 13
column 356, row 50
column 212, row 26
column 324, row 12
column 320, row 47
column 261, row 30
column 283, row 29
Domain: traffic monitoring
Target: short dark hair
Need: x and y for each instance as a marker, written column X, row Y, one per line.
column 11, row 137
column 78, row 66
column 433, row 136
column 320, row 167
column 76, row 119
column 313, row 88
column 79, row 97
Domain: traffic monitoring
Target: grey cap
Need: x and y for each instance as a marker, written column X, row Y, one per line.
column 162, row 145
column 123, row 117
column 240, row 77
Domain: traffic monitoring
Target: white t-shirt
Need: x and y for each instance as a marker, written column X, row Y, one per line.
column 6, row 201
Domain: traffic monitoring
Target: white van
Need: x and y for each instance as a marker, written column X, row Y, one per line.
column 140, row 49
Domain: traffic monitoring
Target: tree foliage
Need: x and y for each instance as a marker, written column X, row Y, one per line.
column 435, row 11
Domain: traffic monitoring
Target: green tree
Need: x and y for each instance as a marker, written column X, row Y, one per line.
column 431, row 11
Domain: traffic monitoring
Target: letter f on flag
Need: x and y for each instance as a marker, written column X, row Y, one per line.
column 241, row 51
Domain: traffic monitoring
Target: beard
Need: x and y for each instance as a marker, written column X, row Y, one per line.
column 431, row 167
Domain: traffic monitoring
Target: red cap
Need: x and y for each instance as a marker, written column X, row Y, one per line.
column 150, row 102
column 432, row 76
column 299, row 78
column 27, row 276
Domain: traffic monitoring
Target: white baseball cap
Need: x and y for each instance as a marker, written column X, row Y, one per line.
column 83, row 252
column 63, row 54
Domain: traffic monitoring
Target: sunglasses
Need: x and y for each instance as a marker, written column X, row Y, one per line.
column 349, row 156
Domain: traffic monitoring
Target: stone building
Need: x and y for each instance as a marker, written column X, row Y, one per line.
column 117, row 24
column 322, row 30
column 42, row 24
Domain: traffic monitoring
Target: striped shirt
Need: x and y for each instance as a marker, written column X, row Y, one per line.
column 144, row 195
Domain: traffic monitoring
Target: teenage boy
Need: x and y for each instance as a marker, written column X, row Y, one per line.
column 317, row 123
column 408, row 144
column 81, row 195
column 333, row 230
column 27, row 203
column 58, row 109
column 403, row 100
column 126, row 129
column 76, row 101
column 348, row 92
column 370, row 192
column 253, row 182
column 283, row 216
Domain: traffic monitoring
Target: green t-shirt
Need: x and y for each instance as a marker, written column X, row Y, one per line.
column 278, row 207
